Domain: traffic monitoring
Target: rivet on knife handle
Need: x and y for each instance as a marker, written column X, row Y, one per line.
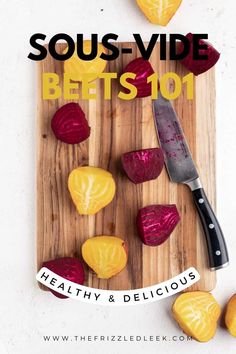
column 217, row 250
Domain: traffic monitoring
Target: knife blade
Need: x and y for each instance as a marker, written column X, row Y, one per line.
column 181, row 169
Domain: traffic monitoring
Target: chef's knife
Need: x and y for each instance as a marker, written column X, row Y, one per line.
column 181, row 169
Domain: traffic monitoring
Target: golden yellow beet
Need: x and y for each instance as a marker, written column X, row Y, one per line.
column 91, row 189
column 159, row 12
column 197, row 314
column 230, row 316
column 106, row 255
column 76, row 67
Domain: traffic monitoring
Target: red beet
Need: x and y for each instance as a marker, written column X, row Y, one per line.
column 70, row 125
column 198, row 67
column 156, row 222
column 143, row 69
column 68, row 268
column 143, row 165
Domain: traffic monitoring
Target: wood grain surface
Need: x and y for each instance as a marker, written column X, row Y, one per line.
column 118, row 126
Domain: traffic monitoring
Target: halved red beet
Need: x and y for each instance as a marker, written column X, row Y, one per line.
column 198, row 67
column 156, row 222
column 70, row 125
column 143, row 69
column 68, row 268
column 143, row 165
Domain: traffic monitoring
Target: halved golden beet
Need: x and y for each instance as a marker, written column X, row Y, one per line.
column 76, row 67
column 230, row 316
column 159, row 12
column 197, row 314
column 91, row 189
column 106, row 255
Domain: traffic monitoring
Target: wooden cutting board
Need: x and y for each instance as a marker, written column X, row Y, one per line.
column 118, row 126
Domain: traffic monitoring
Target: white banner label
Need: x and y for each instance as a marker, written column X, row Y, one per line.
column 118, row 297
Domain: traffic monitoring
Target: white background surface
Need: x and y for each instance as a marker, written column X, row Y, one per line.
column 26, row 313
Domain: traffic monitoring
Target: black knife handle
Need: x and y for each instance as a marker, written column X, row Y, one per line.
column 217, row 250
